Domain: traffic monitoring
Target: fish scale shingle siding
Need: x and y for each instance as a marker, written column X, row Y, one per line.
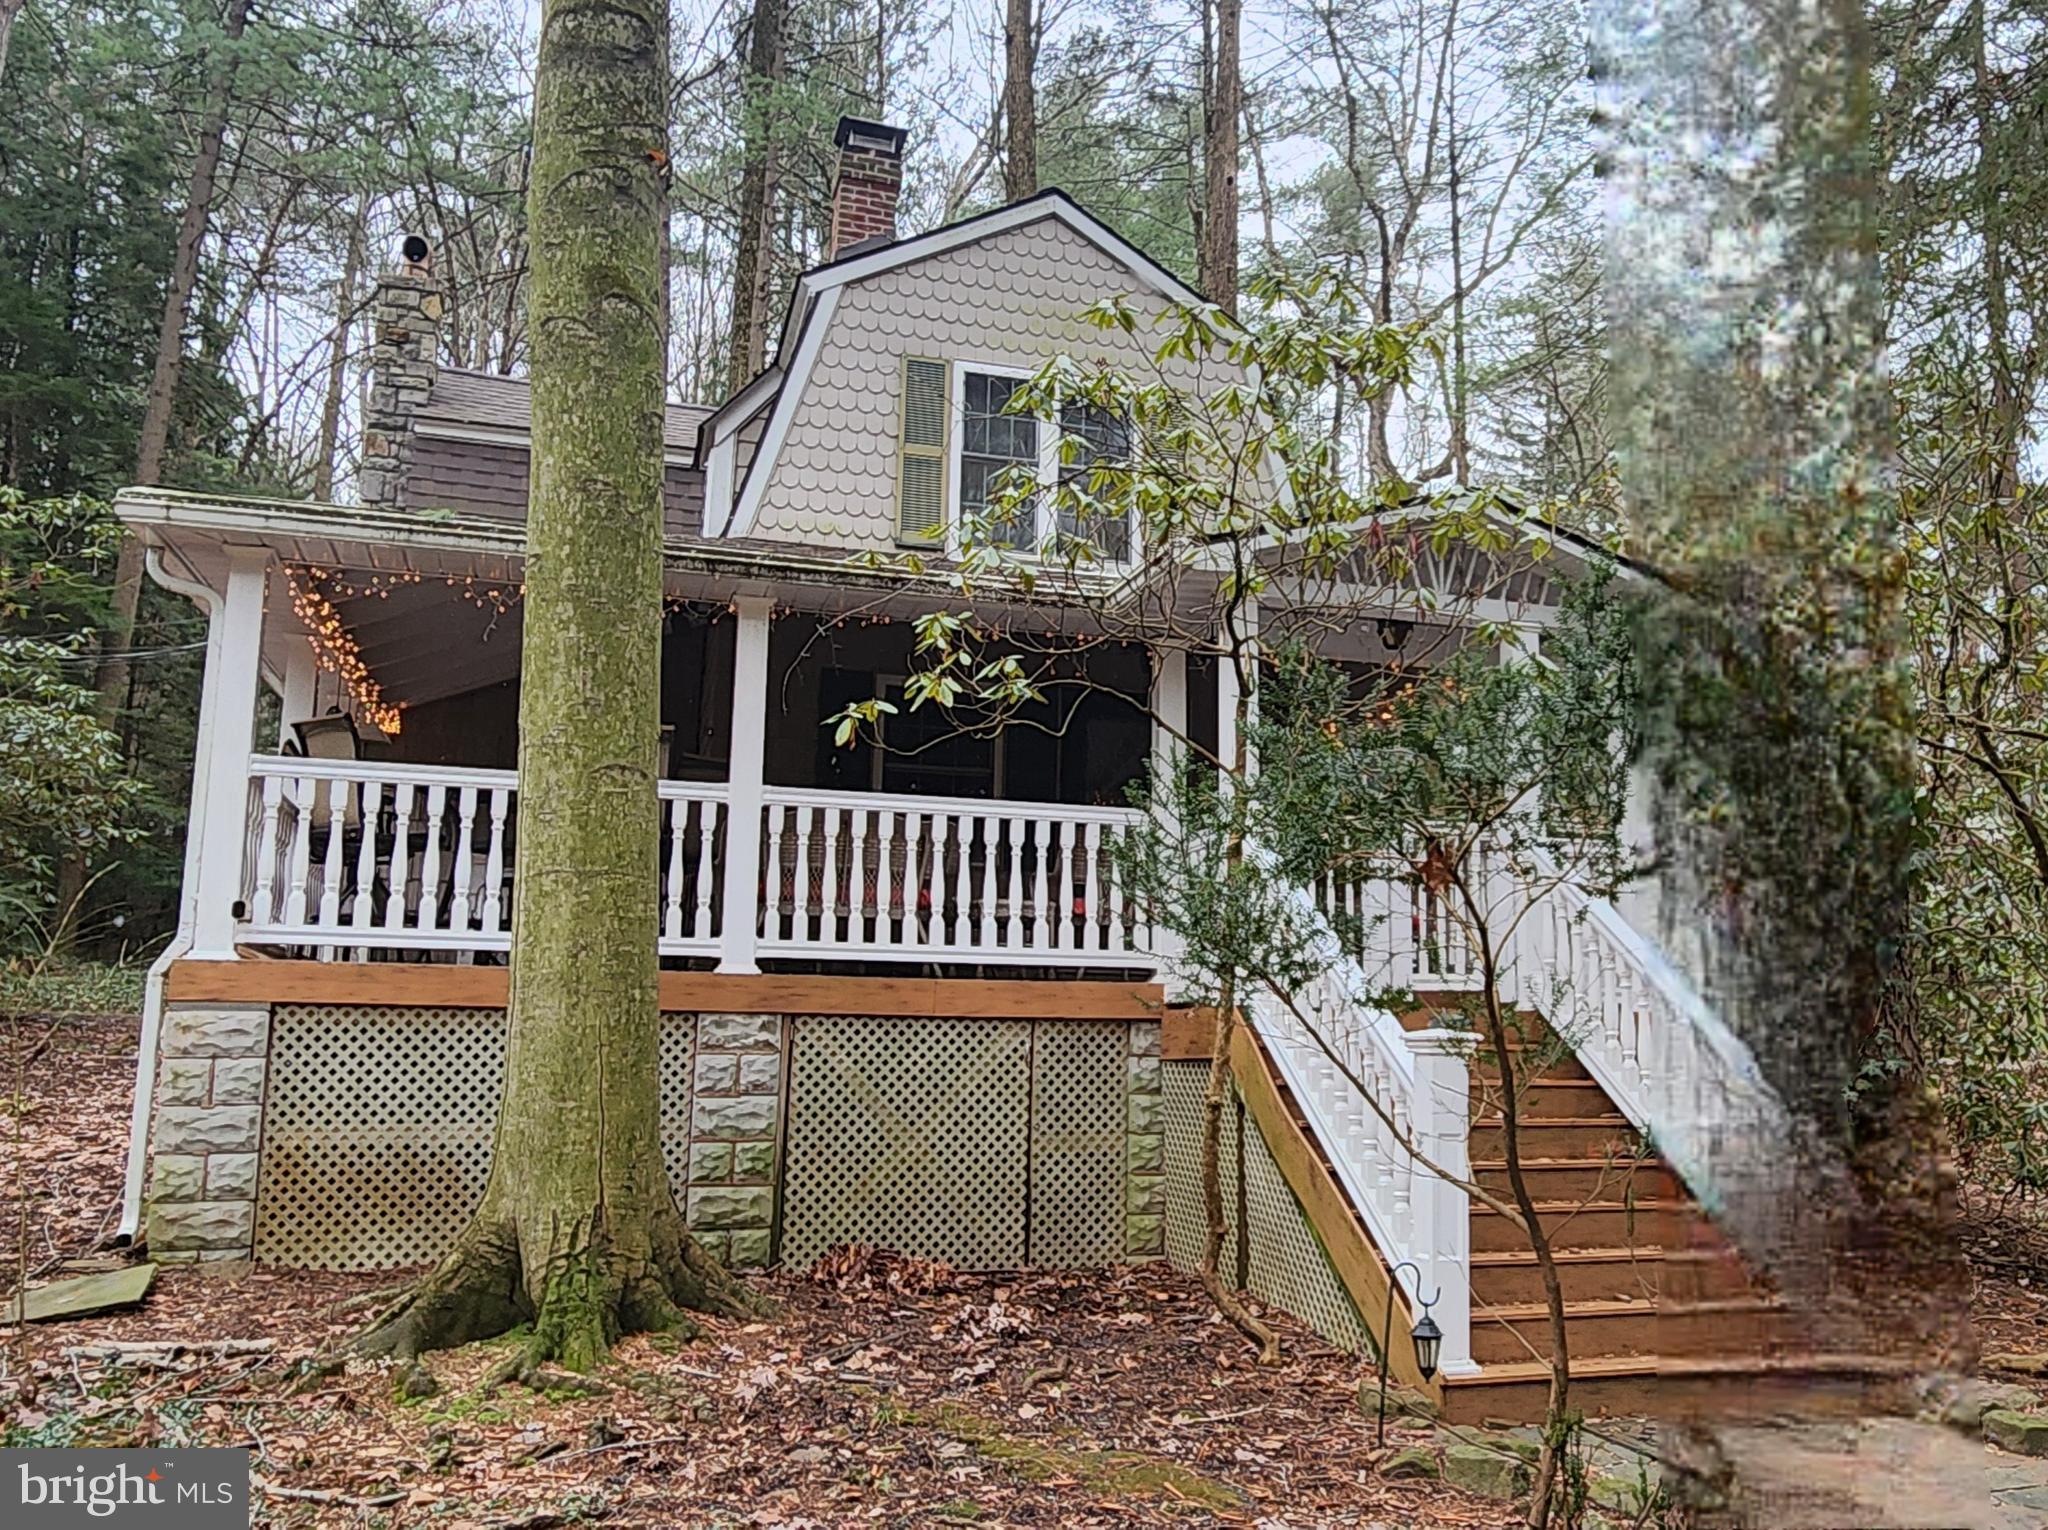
column 1015, row 298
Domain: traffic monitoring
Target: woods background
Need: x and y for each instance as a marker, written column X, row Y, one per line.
column 196, row 195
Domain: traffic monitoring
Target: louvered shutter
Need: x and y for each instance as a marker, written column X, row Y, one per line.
column 921, row 453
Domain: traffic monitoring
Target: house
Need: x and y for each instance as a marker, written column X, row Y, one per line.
column 905, row 998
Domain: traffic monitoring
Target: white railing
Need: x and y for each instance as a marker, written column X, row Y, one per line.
column 1400, row 931
column 1410, row 1096
column 357, row 855
column 1658, row 1049
column 346, row 856
column 948, row 879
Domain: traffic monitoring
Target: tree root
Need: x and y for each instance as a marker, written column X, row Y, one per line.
column 590, row 1294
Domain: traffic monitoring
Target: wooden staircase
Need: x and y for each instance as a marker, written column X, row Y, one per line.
column 1661, row 1312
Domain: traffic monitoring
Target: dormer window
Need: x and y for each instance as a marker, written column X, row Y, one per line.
column 981, row 441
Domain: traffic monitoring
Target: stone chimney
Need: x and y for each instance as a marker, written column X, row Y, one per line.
column 404, row 361
column 865, row 185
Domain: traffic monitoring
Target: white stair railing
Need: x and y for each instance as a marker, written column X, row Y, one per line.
column 1376, row 1094
column 1671, row 1064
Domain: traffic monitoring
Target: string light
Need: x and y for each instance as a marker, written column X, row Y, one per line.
column 335, row 648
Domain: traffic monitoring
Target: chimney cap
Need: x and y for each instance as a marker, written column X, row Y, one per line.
column 861, row 133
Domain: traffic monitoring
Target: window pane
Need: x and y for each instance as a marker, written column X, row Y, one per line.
column 991, row 444
column 1102, row 437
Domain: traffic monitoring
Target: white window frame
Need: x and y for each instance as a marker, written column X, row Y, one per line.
column 1049, row 436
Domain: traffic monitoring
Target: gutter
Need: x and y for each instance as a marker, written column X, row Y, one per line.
column 188, row 903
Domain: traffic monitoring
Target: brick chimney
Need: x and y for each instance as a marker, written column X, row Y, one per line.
column 866, row 184
column 404, row 361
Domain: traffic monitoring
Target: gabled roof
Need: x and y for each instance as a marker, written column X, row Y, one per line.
column 485, row 402
column 1052, row 202
column 870, row 258
column 810, row 309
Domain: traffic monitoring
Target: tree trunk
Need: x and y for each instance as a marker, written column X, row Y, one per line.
column 758, row 179
column 1224, row 1292
column 9, row 9
column 578, row 1232
column 1219, row 161
column 1020, row 102
column 110, row 677
column 1543, row 1489
column 337, row 361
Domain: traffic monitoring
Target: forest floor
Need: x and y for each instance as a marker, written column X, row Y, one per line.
column 884, row 1392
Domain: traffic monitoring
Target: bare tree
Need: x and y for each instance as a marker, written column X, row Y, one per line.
column 1020, row 101
column 1223, row 112
column 766, row 66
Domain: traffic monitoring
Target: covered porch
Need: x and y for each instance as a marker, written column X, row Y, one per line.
column 374, row 814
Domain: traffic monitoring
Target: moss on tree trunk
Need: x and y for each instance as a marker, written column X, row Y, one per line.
column 578, row 1232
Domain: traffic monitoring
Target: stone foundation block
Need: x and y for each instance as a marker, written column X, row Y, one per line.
column 739, row 1033
column 231, row 1177
column 753, row 1161
column 760, row 1073
column 710, row 1163
column 737, row 1118
column 215, row 1033
column 1145, row 1236
column 717, row 1073
column 1148, row 1196
column 238, row 1081
column 749, row 1249
column 192, row 1226
column 214, row 1129
column 177, row 1177
column 1145, row 1117
column 184, row 1081
column 724, row 1207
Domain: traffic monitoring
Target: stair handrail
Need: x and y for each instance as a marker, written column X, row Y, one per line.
column 1679, row 1074
column 1420, row 1080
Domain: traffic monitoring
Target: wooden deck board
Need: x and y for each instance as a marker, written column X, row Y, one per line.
column 767, row 993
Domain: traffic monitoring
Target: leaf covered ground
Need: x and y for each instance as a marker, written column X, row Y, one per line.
column 886, row 1392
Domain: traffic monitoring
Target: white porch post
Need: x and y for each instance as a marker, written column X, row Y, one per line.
column 741, row 902
column 224, row 809
column 1442, row 1236
column 1169, row 756
column 301, row 675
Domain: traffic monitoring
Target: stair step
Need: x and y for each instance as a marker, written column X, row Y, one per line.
column 1565, row 1069
column 1577, row 1179
column 1520, row 1331
column 1737, row 1386
column 1505, row 1276
column 1547, row 1099
column 1556, row 1137
column 1577, row 1224
column 1704, row 1274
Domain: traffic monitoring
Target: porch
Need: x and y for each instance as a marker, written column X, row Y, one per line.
column 355, row 859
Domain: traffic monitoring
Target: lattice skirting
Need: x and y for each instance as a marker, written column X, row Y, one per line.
column 1268, row 1242
column 377, row 1129
column 991, row 1144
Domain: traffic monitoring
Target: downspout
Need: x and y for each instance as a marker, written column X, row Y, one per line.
column 188, row 900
